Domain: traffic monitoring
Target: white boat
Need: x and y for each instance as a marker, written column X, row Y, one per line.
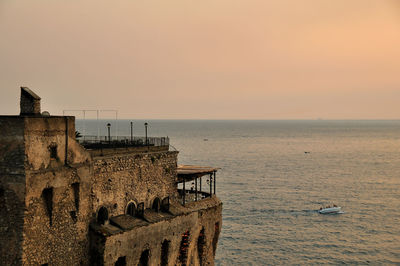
column 330, row 210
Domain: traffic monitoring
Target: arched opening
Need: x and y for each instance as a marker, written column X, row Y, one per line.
column 201, row 243
column 164, row 252
column 184, row 248
column 216, row 235
column 156, row 205
column 131, row 209
column 53, row 151
column 165, row 204
column 47, row 195
column 75, row 189
column 102, row 215
column 121, row 261
column 140, row 210
column 144, row 258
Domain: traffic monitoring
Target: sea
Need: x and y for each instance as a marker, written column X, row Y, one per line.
column 274, row 176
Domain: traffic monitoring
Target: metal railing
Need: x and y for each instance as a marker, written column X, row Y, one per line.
column 191, row 195
column 94, row 142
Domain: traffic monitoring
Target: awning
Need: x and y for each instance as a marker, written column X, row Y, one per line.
column 191, row 172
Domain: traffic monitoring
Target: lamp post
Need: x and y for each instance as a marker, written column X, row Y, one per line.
column 145, row 130
column 109, row 132
column 131, row 132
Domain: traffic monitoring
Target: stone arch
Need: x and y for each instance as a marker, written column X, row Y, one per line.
column 165, row 252
column 201, row 246
column 131, row 208
column 144, row 258
column 156, row 206
column 165, row 204
column 102, row 215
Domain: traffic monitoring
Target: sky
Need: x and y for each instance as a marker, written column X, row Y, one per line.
column 209, row 59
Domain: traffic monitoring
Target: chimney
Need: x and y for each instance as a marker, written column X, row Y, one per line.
column 30, row 102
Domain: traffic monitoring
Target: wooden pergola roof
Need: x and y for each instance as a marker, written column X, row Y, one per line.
column 190, row 172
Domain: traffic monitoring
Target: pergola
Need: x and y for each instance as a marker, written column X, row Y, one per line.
column 194, row 172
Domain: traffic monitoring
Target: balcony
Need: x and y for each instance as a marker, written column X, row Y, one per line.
column 102, row 142
column 192, row 174
column 104, row 145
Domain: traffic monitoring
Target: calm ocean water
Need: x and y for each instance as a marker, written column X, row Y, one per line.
column 271, row 188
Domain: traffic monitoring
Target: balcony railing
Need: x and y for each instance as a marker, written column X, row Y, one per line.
column 95, row 142
column 187, row 196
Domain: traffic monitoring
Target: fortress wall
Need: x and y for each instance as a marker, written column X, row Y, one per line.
column 57, row 233
column 131, row 244
column 47, row 135
column 57, row 194
column 12, row 188
column 139, row 177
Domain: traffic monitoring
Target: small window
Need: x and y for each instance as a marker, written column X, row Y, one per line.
column 131, row 209
column 156, row 205
column 140, row 210
column 102, row 215
column 165, row 204
column 47, row 195
column 144, row 258
column 75, row 189
column 121, row 261
column 53, row 151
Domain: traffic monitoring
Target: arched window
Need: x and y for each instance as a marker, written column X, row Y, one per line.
column 102, row 215
column 131, row 209
column 165, row 204
column 164, row 252
column 201, row 243
column 156, row 205
column 144, row 258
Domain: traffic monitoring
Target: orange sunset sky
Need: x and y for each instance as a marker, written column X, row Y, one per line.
column 209, row 59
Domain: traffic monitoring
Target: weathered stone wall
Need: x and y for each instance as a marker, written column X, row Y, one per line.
column 57, row 193
column 12, row 189
column 204, row 214
column 137, row 177
column 59, row 235
column 42, row 134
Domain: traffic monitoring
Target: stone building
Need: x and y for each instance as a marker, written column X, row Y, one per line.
column 110, row 202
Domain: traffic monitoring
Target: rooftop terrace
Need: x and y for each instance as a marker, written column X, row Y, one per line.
column 93, row 142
